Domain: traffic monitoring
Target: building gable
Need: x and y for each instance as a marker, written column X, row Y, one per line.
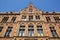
column 31, row 9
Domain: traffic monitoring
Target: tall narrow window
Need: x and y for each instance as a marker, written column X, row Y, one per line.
column 13, row 19
column 1, row 28
column 39, row 30
column 37, row 17
column 48, row 19
column 5, row 19
column 53, row 31
column 7, row 34
column 30, row 18
column 30, row 30
column 57, row 19
column 21, row 30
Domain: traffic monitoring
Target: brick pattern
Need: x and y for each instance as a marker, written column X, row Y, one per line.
column 16, row 25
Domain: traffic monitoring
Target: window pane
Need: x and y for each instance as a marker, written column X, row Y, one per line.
column 21, row 32
column 30, row 32
column 40, row 32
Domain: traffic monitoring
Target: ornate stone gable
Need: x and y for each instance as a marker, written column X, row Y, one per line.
column 31, row 9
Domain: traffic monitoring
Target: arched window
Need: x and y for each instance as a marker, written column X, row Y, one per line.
column 53, row 31
column 39, row 30
column 30, row 30
column 21, row 30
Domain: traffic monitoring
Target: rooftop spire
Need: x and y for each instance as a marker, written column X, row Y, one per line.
column 30, row 4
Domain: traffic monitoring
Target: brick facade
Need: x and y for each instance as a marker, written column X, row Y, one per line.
column 30, row 11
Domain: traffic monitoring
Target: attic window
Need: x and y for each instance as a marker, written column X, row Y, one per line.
column 30, row 6
column 30, row 10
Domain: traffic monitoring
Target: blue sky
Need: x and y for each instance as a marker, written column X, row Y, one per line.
column 16, row 5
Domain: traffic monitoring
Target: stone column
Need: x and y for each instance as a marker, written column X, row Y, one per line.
column 26, row 30
column 35, row 30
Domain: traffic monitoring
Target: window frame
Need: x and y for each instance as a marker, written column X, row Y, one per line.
column 56, row 18
column 21, row 30
column 9, row 29
column 5, row 19
column 53, row 31
column 40, row 30
column 30, row 30
column 48, row 18
column 13, row 19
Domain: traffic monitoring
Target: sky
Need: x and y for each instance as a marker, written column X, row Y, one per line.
column 17, row 5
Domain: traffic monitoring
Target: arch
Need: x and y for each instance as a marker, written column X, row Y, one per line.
column 51, row 25
column 30, row 24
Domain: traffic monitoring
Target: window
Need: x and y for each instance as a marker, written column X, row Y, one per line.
column 30, row 31
column 23, row 18
column 56, row 19
column 7, row 34
column 39, row 30
column 1, row 28
column 30, row 10
column 13, row 19
column 53, row 31
column 38, row 17
column 30, row 18
column 48, row 19
column 5, row 19
column 21, row 30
